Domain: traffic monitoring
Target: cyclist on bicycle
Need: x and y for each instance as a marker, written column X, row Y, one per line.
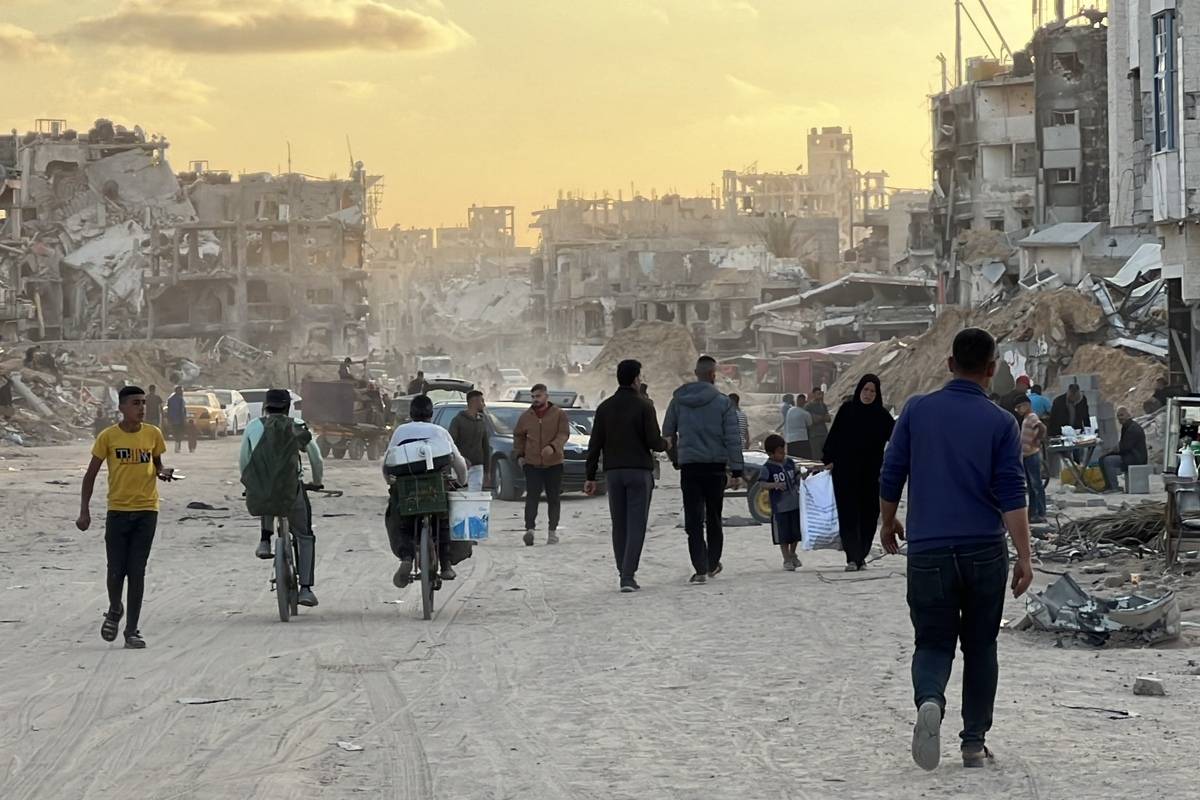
column 273, row 474
column 402, row 530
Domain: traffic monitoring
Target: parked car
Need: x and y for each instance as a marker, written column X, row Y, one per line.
column 582, row 418
column 439, row 391
column 205, row 409
column 237, row 411
column 254, row 400
column 514, row 377
column 508, row 480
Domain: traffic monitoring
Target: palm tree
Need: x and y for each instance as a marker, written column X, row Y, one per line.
column 779, row 236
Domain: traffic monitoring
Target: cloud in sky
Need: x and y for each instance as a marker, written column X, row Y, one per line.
column 745, row 87
column 267, row 26
column 19, row 44
column 357, row 90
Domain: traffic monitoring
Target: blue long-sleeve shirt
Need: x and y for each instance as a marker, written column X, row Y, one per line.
column 960, row 454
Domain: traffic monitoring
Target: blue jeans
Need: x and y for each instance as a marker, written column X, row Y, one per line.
column 1033, row 479
column 956, row 596
column 1112, row 466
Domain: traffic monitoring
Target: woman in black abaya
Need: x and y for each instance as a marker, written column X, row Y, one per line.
column 854, row 450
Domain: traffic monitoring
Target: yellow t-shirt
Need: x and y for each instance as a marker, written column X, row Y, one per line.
column 132, row 478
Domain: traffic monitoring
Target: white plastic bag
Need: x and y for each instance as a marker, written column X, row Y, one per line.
column 818, row 514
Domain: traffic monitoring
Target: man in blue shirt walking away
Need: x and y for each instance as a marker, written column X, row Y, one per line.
column 960, row 455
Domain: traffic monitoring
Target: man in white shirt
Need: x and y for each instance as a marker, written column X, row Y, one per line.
column 402, row 530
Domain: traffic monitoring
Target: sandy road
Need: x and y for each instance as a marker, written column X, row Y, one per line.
column 534, row 680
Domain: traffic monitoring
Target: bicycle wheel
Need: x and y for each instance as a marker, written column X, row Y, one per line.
column 427, row 567
column 283, row 580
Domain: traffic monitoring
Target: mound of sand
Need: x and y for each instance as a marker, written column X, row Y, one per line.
column 1125, row 380
column 665, row 349
column 917, row 364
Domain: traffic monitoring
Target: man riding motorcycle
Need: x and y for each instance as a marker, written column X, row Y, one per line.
column 270, row 445
column 402, row 530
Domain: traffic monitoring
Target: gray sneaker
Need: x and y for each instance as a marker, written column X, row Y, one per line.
column 403, row 576
column 699, row 577
column 307, row 598
column 552, row 537
column 976, row 758
column 927, row 736
column 528, row 538
column 264, row 549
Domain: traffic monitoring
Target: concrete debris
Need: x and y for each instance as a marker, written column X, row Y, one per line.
column 1066, row 608
column 665, row 349
column 63, row 392
column 1042, row 330
column 1125, row 380
column 1149, row 687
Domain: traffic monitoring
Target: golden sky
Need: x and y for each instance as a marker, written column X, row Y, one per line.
column 495, row 101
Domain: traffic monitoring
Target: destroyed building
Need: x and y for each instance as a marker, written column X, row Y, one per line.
column 276, row 260
column 1021, row 145
column 604, row 264
column 859, row 307
column 1154, row 156
column 100, row 239
column 830, row 187
column 75, row 214
column 461, row 288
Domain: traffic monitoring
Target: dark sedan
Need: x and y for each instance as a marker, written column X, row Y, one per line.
column 508, row 481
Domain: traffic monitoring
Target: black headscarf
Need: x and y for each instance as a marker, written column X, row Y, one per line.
column 860, row 432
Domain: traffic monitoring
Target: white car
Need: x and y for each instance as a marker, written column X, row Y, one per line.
column 254, row 402
column 514, row 378
column 237, row 411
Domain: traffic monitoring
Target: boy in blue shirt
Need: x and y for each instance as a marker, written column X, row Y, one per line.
column 779, row 477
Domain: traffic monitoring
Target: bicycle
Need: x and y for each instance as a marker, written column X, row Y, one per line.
column 423, row 498
column 286, row 580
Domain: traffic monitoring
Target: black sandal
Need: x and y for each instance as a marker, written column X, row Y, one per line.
column 108, row 629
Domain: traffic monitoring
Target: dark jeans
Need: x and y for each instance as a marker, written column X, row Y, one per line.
column 629, row 492
column 538, row 479
column 128, row 536
column 1113, row 467
column 703, row 500
column 956, row 595
column 1033, row 480
column 402, row 536
column 300, row 525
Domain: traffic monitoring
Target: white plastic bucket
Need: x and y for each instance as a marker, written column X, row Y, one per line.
column 469, row 513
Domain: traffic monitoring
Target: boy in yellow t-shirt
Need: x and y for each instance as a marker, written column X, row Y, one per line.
column 133, row 451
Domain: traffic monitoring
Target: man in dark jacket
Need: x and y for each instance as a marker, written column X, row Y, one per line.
column 1069, row 410
column 625, row 432
column 704, row 426
column 470, row 434
column 1130, row 451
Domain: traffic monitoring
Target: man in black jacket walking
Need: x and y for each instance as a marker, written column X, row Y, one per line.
column 626, row 433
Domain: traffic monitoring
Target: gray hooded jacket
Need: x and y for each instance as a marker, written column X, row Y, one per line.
column 706, row 424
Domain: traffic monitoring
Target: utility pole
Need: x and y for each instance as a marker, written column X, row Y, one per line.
column 941, row 57
column 958, row 42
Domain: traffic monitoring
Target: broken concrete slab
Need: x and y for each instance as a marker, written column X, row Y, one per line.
column 1149, row 687
column 1065, row 607
column 1095, row 569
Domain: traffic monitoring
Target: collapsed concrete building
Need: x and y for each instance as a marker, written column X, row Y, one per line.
column 604, row 264
column 464, row 289
column 273, row 260
column 101, row 239
column 830, row 187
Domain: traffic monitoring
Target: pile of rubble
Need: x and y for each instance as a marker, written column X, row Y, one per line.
column 51, row 395
column 665, row 350
column 1060, row 330
column 473, row 308
column 77, row 242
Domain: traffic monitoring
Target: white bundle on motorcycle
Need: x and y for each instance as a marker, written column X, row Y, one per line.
column 416, row 457
column 818, row 514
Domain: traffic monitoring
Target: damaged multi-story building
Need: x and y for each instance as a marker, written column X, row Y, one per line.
column 830, row 187
column 101, row 239
column 274, row 260
column 459, row 288
column 603, row 264
column 1154, row 139
column 1022, row 144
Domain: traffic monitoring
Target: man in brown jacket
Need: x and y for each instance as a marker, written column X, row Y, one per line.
column 538, row 442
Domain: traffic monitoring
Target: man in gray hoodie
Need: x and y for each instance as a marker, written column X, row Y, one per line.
column 703, row 425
